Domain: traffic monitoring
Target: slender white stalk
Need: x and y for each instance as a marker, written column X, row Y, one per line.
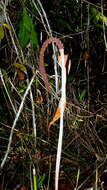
column 13, row 41
column 63, row 102
column 45, row 16
column 15, row 121
column 6, row 2
column 33, row 113
column 54, row 56
column 49, row 32
column 11, row 32
column 40, row 16
column 104, row 30
column 13, row 87
column 5, row 14
column 13, row 107
column 16, row 41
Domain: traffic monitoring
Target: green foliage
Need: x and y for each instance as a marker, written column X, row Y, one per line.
column 21, row 67
column 2, row 30
column 84, row 130
column 22, row 87
column 97, row 17
column 1, row 33
column 5, row 76
column 40, row 180
column 27, row 31
column 34, row 182
column 82, row 95
column 78, row 175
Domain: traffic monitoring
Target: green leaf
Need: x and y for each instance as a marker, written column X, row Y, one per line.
column 78, row 175
column 23, row 36
column 72, row 77
column 21, row 91
column 5, row 75
column 40, row 180
column 27, row 21
column 24, row 29
column 34, row 39
column 7, row 26
column 1, row 33
column 82, row 95
column 27, row 31
column 104, row 19
column 21, row 67
column 97, row 16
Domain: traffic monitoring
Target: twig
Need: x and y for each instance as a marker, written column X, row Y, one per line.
column 15, row 121
column 13, row 107
column 45, row 16
column 102, row 11
column 94, row 5
column 85, row 181
column 10, row 32
column 8, row 21
column 19, row 48
column 49, row 32
column 54, row 55
column 40, row 16
column 33, row 113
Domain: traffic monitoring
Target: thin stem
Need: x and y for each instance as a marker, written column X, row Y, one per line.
column 105, row 40
column 94, row 5
column 15, row 121
column 33, row 113
column 49, row 32
column 88, row 74
column 13, row 107
column 63, row 101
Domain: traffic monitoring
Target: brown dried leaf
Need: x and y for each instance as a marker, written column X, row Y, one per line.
column 56, row 116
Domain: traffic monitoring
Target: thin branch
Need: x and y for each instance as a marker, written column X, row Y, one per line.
column 33, row 113
column 99, row 166
column 49, row 32
column 40, row 16
column 94, row 5
column 11, row 31
column 102, row 11
column 12, row 105
column 45, row 16
column 87, row 64
column 15, row 121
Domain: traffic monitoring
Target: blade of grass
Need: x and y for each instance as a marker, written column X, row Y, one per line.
column 78, row 175
column 15, row 121
column 34, row 180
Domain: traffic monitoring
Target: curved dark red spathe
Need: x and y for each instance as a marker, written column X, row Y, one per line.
column 41, row 59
